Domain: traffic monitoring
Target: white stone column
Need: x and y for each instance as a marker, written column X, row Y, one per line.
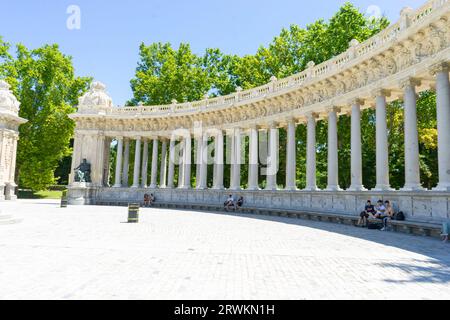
column 382, row 147
column 126, row 163
column 412, row 167
column 182, row 146
column 333, row 164
column 253, row 159
column 443, row 124
column 311, row 182
column 154, row 176
column 137, row 163
column 11, row 185
column 204, row 162
column 163, row 169
column 291, row 156
column 218, row 162
column 198, row 144
column 236, row 160
column 272, row 165
column 187, row 162
column 119, row 158
column 144, row 168
column 356, row 153
column 171, row 170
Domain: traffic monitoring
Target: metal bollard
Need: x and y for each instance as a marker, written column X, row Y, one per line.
column 133, row 212
column 64, row 200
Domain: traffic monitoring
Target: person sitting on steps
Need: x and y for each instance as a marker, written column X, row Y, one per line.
column 369, row 211
column 229, row 203
column 146, row 200
column 240, row 202
column 152, row 199
column 381, row 214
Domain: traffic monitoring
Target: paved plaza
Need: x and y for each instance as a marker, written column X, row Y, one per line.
column 89, row 253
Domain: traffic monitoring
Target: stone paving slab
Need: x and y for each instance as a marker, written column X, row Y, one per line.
column 88, row 253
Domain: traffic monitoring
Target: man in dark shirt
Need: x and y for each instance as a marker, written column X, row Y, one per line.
column 368, row 210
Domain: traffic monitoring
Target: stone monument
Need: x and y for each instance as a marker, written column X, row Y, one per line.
column 9, row 136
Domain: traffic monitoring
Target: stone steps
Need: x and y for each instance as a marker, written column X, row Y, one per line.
column 409, row 227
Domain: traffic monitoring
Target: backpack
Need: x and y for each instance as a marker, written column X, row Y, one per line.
column 400, row 216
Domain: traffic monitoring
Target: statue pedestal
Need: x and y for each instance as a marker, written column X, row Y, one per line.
column 80, row 193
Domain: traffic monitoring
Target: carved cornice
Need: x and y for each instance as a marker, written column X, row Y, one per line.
column 411, row 51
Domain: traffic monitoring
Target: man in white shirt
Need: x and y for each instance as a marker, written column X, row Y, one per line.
column 229, row 203
column 381, row 214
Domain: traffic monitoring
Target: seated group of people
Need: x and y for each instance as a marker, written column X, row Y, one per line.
column 383, row 211
column 230, row 204
column 149, row 200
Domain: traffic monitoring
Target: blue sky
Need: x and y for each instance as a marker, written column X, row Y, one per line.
column 106, row 45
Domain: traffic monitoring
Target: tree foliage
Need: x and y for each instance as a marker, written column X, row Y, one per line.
column 44, row 82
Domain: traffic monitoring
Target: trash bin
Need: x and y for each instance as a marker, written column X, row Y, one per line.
column 64, row 200
column 133, row 212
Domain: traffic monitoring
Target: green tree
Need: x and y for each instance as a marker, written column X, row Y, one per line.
column 44, row 82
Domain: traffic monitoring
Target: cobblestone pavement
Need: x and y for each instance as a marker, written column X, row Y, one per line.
column 88, row 253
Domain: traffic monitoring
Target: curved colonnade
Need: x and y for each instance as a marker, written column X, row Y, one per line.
column 407, row 58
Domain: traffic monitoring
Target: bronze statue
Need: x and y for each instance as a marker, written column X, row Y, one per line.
column 83, row 172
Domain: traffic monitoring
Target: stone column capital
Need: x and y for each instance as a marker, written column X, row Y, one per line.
column 291, row 119
column 380, row 92
column 272, row 124
column 312, row 115
column 336, row 109
column 441, row 66
column 356, row 101
column 409, row 82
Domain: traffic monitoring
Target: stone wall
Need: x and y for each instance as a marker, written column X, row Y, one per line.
column 417, row 206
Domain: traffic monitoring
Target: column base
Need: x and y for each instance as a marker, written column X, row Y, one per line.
column 134, row 187
column 445, row 187
column 415, row 187
column 219, row 188
column 357, row 188
column 291, row 189
column 311, row 189
column 153, row 186
column 235, row 189
column 117, row 186
column 383, row 188
column 333, row 188
column 253, row 189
